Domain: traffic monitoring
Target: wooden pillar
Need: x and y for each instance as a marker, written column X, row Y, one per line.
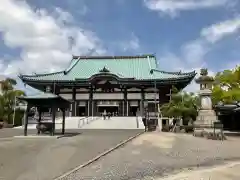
column 125, row 106
column 63, row 120
column 164, row 95
column 26, row 120
column 86, row 108
column 39, row 119
column 159, row 97
column 74, row 102
column 90, row 102
column 53, row 119
column 142, row 102
column 128, row 108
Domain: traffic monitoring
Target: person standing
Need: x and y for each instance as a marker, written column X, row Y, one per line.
column 104, row 114
column 109, row 115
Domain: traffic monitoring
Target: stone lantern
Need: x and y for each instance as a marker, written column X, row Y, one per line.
column 205, row 92
column 206, row 115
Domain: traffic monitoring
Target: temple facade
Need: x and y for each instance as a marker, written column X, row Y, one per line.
column 121, row 85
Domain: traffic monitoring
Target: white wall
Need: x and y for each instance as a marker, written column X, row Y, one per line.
column 134, row 96
column 151, row 96
column 82, row 96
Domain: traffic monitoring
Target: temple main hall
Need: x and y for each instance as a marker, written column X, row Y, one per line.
column 121, row 85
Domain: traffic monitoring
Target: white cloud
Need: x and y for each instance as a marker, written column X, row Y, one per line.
column 46, row 39
column 189, row 59
column 194, row 51
column 194, row 87
column 173, row 7
column 192, row 54
column 217, row 31
column 131, row 44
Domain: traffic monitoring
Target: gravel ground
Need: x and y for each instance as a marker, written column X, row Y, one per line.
column 228, row 171
column 154, row 155
column 45, row 159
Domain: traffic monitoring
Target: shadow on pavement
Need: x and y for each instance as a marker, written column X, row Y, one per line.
column 232, row 134
column 68, row 134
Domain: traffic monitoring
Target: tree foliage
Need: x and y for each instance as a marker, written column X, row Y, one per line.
column 7, row 99
column 182, row 105
column 227, row 86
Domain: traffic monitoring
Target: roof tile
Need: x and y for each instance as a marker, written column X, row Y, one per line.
column 138, row 67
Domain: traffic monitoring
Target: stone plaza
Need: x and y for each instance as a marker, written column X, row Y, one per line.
column 158, row 155
column 152, row 155
column 48, row 158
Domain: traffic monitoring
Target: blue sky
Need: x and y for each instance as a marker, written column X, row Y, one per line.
column 184, row 34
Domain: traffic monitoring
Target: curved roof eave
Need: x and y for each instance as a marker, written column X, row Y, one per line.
column 178, row 74
column 185, row 78
column 175, row 73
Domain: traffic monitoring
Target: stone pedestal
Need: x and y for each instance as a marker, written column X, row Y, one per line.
column 206, row 117
column 204, row 122
column 204, row 125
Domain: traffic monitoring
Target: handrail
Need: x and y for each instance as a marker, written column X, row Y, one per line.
column 87, row 118
column 137, row 121
column 81, row 119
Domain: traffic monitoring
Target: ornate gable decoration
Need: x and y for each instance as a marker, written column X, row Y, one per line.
column 104, row 70
column 107, row 87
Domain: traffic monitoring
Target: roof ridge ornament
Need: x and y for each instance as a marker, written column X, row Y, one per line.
column 203, row 72
column 104, row 70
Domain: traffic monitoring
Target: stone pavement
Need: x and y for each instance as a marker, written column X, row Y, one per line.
column 156, row 155
column 45, row 159
column 230, row 171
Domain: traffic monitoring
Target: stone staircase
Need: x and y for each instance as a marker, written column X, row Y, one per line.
column 116, row 123
column 93, row 123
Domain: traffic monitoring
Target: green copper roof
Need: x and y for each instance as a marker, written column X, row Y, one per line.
column 137, row 67
column 46, row 100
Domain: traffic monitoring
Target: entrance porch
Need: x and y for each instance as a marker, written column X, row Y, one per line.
column 111, row 107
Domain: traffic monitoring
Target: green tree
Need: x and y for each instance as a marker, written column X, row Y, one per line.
column 7, row 100
column 182, row 105
column 227, row 86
